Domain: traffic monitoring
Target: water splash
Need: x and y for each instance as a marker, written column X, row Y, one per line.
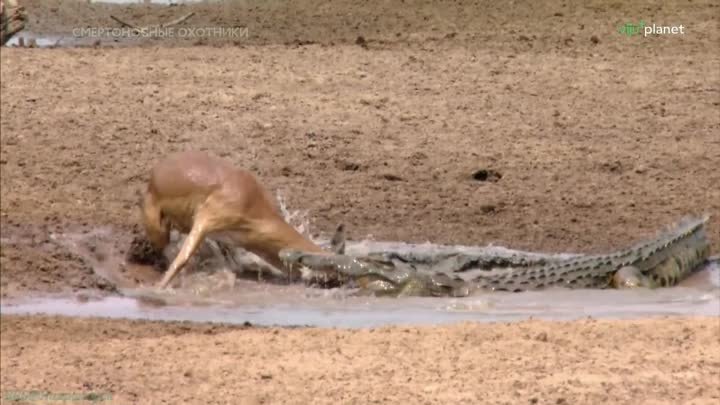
column 298, row 219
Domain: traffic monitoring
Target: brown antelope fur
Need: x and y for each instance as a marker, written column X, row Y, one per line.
column 204, row 196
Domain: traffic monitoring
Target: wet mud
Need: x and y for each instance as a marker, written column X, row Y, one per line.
column 212, row 289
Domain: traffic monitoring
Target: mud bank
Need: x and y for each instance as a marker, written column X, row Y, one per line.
column 384, row 117
column 581, row 362
column 76, row 150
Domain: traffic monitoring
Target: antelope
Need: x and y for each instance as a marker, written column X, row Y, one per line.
column 204, row 196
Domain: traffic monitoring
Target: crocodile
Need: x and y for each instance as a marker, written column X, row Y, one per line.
column 661, row 261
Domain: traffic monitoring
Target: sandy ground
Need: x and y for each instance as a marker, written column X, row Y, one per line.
column 584, row 362
column 599, row 140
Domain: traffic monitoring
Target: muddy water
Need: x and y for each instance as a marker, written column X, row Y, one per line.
column 79, row 38
column 220, row 295
column 297, row 305
column 69, row 40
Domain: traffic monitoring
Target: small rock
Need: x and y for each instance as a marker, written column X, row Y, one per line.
column 286, row 171
column 488, row 208
column 347, row 166
column 487, row 175
column 392, row 177
column 594, row 39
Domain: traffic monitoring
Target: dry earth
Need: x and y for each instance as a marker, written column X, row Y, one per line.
column 376, row 114
column 670, row 361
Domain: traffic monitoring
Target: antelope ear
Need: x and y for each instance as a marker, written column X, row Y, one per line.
column 337, row 243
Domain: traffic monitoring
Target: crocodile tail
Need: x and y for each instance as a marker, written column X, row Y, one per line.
column 686, row 228
column 595, row 271
column 669, row 263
